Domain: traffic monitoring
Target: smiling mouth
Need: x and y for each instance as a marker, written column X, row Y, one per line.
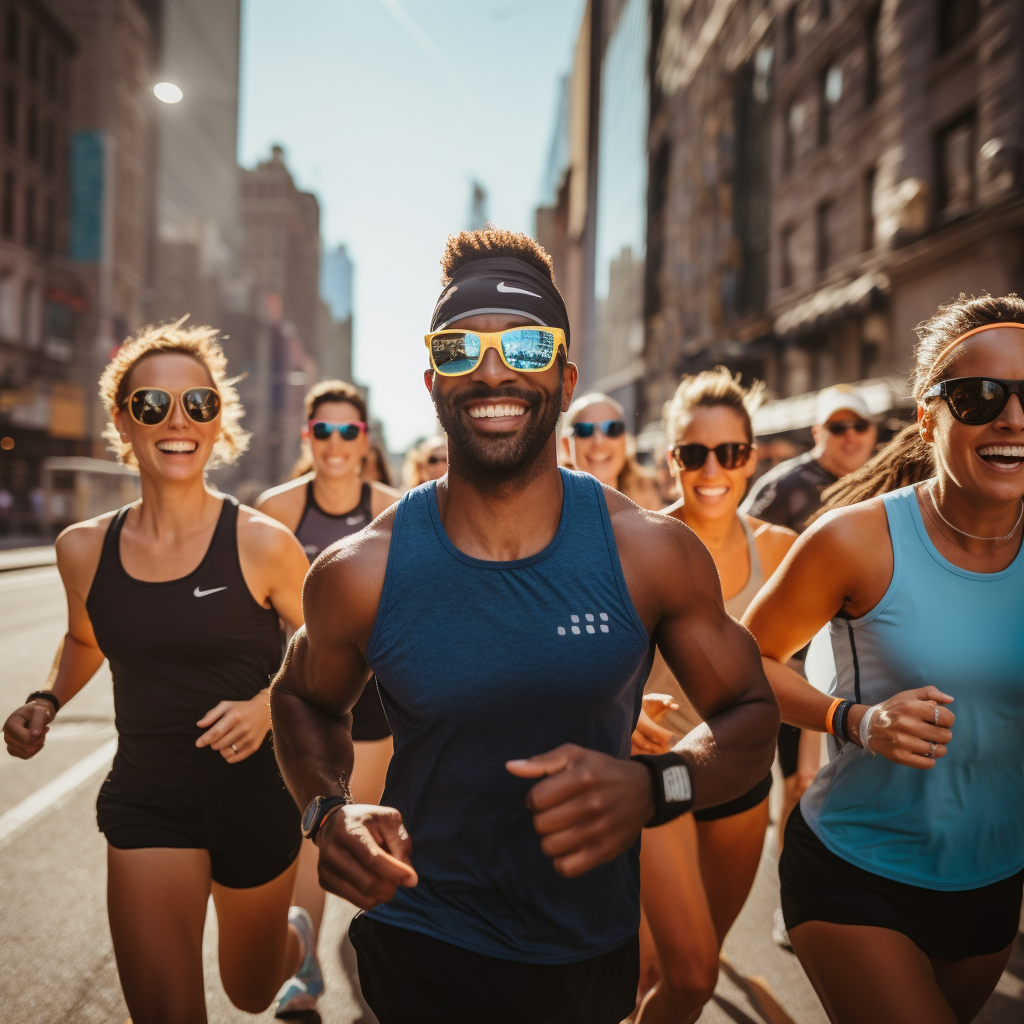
column 711, row 492
column 182, row 447
column 495, row 410
column 1006, row 456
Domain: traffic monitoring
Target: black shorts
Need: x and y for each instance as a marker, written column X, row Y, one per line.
column 817, row 885
column 789, row 749
column 742, row 803
column 368, row 719
column 409, row 978
column 249, row 825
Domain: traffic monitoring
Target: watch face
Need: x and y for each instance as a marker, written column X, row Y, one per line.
column 309, row 814
column 676, row 781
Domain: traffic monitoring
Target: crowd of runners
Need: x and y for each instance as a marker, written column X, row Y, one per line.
column 498, row 681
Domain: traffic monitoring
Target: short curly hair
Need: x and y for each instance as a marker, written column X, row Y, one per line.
column 491, row 242
column 203, row 345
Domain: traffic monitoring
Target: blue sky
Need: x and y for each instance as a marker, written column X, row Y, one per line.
column 388, row 109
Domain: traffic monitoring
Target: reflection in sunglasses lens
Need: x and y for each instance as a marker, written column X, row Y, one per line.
column 528, row 349
column 455, row 353
column 150, row 405
column 977, row 401
column 202, row 404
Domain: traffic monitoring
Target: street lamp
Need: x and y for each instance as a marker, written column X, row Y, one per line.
column 167, row 92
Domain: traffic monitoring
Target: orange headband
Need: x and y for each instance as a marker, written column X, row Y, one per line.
column 965, row 336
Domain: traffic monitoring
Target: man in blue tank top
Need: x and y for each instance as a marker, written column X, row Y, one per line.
column 510, row 612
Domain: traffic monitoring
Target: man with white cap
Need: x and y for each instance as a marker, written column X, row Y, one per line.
column 844, row 439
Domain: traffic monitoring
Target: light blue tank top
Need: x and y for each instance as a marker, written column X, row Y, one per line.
column 959, row 825
column 480, row 662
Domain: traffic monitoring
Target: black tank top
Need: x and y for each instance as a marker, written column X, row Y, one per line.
column 319, row 529
column 176, row 649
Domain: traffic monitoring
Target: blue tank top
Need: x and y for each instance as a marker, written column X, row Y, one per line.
column 959, row 825
column 480, row 662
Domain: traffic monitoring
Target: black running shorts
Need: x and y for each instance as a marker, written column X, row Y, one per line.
column 409, row 978
column 789, row 749
column 249, row 824
column 817, row 885
column 742, row 803
column 368, row 719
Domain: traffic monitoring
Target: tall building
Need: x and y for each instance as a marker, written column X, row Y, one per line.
column 334, row 320
column 337, row 275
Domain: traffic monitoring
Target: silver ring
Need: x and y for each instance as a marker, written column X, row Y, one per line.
column 235, row 749
column 936, row 714
column 931, row 750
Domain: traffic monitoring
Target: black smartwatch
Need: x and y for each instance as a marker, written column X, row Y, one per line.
column 316, row 811
column 673, row 788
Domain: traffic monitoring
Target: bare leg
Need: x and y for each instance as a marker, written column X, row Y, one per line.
column 258, row 948
column 372, row 758
column 730, row 851
column 867, row 975
column 156, row 903
column 967, row 984
column 308, row 893
column 676, row 907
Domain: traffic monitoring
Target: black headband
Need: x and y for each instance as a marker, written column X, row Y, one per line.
column 501, row 285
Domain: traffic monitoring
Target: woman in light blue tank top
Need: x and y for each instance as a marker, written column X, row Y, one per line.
column 903, row 869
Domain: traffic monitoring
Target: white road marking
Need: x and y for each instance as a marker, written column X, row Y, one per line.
column 48, row 795
column 22, row 578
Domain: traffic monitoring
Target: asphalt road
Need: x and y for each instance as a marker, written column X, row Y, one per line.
column 58, row 963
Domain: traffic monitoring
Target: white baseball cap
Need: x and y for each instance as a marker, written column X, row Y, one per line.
column 838, row 397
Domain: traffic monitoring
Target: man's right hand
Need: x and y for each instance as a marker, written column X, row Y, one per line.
column 25, row 731
column 365, row 854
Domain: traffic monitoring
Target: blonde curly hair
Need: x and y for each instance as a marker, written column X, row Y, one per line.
column 203, row 345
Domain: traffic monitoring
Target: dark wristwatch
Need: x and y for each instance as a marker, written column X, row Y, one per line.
column 316, row 811
column 673, row 788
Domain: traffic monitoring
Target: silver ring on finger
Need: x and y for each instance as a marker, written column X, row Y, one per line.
column 931, row 750
column 235, row 749
column 936, row 714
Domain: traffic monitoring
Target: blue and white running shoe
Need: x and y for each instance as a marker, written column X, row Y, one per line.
column 300, row 992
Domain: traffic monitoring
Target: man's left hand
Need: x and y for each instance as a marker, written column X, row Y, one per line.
column 588, row 807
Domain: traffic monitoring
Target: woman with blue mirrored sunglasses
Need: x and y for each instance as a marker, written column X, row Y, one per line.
column 610, row 428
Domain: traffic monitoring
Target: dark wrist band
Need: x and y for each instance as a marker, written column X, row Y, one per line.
column 839, row 717
column 672, row 786
column 317, row 813
column 44, row 695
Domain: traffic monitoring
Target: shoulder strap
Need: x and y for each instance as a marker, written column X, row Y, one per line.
column 366, row 500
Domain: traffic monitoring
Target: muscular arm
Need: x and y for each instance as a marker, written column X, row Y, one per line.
column 716, row 662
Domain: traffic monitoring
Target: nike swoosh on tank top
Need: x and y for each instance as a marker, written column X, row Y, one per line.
column 481, row 662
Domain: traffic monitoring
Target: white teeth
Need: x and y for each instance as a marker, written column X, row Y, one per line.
column 712, row 492
column 1011, row 451
column 177, row 446
column 479, row 412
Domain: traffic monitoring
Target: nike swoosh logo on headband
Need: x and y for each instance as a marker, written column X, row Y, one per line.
column 502, row 287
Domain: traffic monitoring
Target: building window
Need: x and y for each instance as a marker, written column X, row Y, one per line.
column 870, row 176
column 786, row 245
column 957, row 20
column 954, row 150
column 789, row 34
column 792, row 127
column 51, row 74
column 33, row 54
column 830, row 92
column 30, row 215
column 50, row 227
column 871, row 48
column 824, row 10
column 32, row 133
column 822, row 229
column 11, row 116
column 12, row 35
column 7, row 205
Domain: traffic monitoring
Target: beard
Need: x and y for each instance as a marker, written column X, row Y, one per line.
column 488, row 461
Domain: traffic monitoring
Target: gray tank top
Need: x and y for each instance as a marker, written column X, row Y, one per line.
column 738, row 603
column 319, row 529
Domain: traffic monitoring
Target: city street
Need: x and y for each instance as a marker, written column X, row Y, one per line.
column 58, row 964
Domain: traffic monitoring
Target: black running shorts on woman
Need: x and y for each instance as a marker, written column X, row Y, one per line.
column 176, row 649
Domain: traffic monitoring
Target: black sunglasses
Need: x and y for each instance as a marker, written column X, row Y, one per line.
column 610, row 428
column 730, row 455
column 976, row 400
column 842, row 426
column 150, row 406
column 322, row 430
column 435, row 459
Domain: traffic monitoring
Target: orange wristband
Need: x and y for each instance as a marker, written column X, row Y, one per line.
column 828, row 715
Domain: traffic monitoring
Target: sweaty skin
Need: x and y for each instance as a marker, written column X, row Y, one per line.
column 587, row 807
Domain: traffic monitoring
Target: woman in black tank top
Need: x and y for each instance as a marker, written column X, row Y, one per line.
column 184, row 593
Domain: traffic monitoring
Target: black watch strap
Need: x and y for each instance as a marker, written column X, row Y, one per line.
column 673, row 787
column 324, row 805
column 44, row 695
